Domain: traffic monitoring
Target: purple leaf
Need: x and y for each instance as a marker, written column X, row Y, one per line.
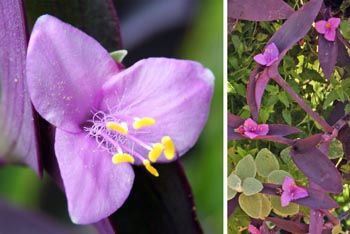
column 253, row 10
column 296, row 26
column 314, row 164
column 344, row 136
column 17, row 131
column 159, row 205
column 317, row 199
column 327, row 54
column 260, row 85
column 251, row 92
column 232, row 205
column 288, row 225
column 15, row 220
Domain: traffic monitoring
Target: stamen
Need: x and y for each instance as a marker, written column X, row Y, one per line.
column 150, row 168
column 169, row 146
column 122, row 158
column 117, row 127
column 154, row 154
column 146, row 121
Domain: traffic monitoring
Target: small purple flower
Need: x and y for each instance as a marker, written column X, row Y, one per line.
column 291, row 191
column 251, row 129
column 328, row 28
column 106, row 118
column 269, row 56
column 253, row 230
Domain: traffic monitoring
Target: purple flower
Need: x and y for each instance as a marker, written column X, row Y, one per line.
column 269, row 56
column 251, row 129
column 291, row 191
column 253, row 230
column 106, row 118
column 328, row 28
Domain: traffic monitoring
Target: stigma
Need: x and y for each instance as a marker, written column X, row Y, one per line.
column 119, row 135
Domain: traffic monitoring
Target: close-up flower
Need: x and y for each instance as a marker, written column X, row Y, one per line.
column 328, row 28
column 106, row 118
column 291, row 191
column 251, row 129
column 269, row 56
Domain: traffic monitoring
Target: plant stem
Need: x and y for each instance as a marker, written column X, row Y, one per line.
column 277, row 77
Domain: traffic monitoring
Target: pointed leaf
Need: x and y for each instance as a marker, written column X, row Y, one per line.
column 18, row 141
column 266, row 162
column 253, row 10
column 288, row 225
column 297, row 25
column 327, row 54
column 308, row 157
column 260, row 86
column 251, row 186
column 159, row 205
column 233, row 122
column 246, row 167
column 317, row 199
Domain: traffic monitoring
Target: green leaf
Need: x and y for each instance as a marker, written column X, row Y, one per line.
column 234, row 182
column 285, row 156
column 246, row 167
column 230, row 193
column 287, row 116
column 277, row 176
column 291, row 209
column 230, row 88
column 335, row 149
column 256, row 206
column 282, row 96
column 251, row 186
column 266, row 162
column 119, row 55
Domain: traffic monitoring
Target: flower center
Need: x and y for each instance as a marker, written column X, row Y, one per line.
column 118, row 135
column 328, row 25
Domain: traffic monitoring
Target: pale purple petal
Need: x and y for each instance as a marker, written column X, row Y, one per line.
column 271, row 53
column 253, row 230
column 250, row 135
column 65, row 71
column 285, row 199
column 288, row 182
column 17, row 131
column 262, row 129
column 94, row 186
column 176, row 93
column 260, row 58
column 334, row 22
column 330, row 34
column 320, row 26
column 249, row 123
column 299, row 192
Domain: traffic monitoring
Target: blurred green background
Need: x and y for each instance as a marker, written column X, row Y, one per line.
column 202, row 41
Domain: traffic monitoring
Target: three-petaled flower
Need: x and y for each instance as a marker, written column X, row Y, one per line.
column 269, row 56
column 328, row 28
column 251, row 129
column 254, row 230
column 106, row 118
column 291, row 191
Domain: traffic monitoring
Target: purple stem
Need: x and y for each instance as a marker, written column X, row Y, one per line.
column 342, row 39
column 316, row 216
column 277, row 77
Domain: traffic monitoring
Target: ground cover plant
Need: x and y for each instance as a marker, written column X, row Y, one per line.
column 288, row 116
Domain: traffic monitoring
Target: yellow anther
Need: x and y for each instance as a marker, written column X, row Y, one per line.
column 117, row 127
column 150, row 168
column 169, row 146
column 154, row 154
column 328, row 25
column 122, row 158
column 146, row 121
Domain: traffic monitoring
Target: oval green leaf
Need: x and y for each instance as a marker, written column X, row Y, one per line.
column 266, row 162
column 234, row 182
column 230, row 193
column 246, row 167
column 256, row 206
column 291, row 209
column 251, row 186
column 277, row 176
